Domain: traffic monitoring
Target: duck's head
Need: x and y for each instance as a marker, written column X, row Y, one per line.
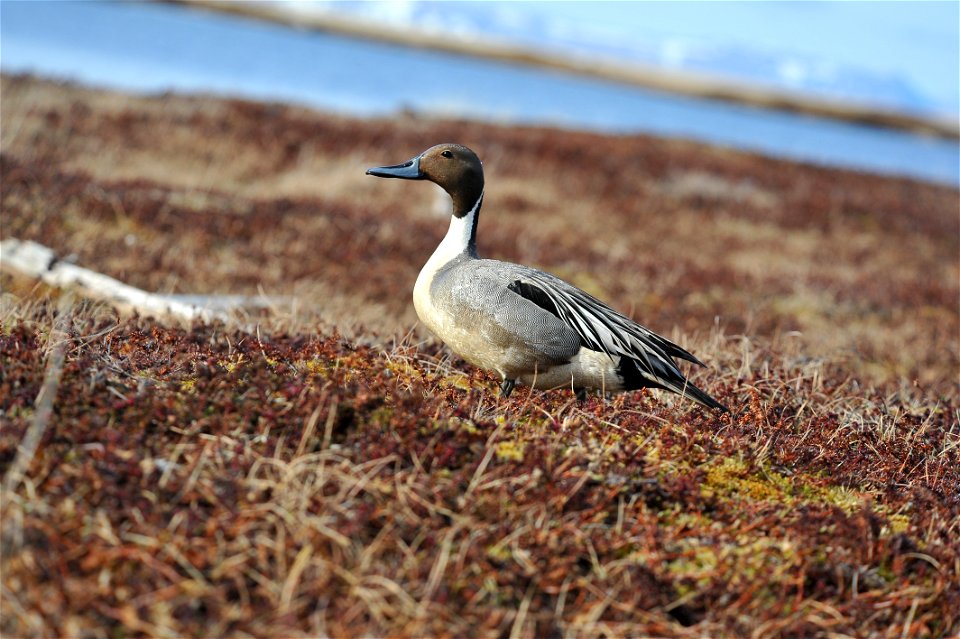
column 454, row 167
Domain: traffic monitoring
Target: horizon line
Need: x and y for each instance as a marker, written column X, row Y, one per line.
column 685, row 83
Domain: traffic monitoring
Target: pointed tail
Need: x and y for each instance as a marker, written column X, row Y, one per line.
column 635, row 377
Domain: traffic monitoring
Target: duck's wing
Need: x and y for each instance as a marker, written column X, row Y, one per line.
column 477, row 292
column 600, row 327
column 559, row 319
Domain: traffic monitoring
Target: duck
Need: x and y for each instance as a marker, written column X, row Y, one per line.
column 526, row 325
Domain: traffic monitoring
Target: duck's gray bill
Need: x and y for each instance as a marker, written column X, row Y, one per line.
column 409, row 170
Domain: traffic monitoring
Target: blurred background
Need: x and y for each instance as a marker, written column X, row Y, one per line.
column 610, row 67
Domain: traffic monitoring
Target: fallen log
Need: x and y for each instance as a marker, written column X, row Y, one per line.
column 40, row 262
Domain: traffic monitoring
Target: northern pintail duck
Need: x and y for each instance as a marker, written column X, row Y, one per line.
column 527, row 325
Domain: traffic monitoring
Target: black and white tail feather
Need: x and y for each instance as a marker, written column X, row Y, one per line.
column 645, row 358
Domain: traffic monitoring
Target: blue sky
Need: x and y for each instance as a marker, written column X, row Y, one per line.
column 904, row 54
column 919, row 40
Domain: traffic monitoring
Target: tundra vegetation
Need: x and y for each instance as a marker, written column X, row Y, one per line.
column 321, row 466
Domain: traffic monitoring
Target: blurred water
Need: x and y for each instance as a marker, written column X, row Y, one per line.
column 150, row 47
column 904, row 56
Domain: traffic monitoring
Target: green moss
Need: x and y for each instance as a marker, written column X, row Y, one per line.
column 844, row 498
column 316, row 367
column 510, row 450
column 381, row 416
column 457, row 380
column 499, row 552
column 231, row 364
column 404, row 370
column 899, row 523
column 698, row 562
column 732, row 478
column 459, row 424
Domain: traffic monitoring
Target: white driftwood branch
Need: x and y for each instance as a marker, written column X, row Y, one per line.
column 39, row 261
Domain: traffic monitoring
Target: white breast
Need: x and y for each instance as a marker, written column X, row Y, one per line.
column 454, row 243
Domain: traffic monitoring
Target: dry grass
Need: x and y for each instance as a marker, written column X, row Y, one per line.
column 209, row 481
column 289, row 481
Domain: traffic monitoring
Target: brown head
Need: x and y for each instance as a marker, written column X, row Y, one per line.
column 454, row 167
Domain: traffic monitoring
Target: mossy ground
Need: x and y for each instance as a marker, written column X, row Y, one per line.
column 277, row 476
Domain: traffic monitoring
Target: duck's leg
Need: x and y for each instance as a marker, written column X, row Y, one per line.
column 506, row 387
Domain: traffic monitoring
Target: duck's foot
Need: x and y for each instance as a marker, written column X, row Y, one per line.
column 506, row 387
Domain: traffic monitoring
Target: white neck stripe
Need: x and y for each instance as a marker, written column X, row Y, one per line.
column 458, row 238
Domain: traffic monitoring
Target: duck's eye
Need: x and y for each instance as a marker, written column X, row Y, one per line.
column 446, row 154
